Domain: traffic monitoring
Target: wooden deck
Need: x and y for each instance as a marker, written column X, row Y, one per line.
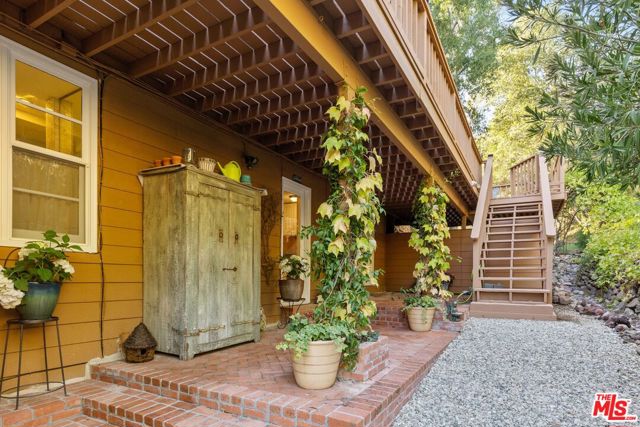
column 268, row 70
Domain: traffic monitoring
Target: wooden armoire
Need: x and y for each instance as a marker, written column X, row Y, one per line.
column 201, row 261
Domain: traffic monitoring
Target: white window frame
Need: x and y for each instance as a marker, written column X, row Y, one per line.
column 304, row 197
column 10, row 52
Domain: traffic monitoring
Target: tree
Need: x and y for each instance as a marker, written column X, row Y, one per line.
column 470, row 32
column 515, row 83
column 589, row 112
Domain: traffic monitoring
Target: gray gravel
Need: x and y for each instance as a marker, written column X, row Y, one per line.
column 526, row 373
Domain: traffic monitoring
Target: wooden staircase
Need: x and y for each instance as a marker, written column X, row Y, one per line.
column 513, row 248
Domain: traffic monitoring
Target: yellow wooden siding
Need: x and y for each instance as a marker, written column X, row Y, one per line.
column 138, row 127
column 400, row 260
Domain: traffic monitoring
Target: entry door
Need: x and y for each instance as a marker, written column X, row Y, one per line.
column 241, row 293
column 296, row 214
column 213, row 239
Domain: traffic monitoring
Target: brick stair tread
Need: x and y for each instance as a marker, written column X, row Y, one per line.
column 81, row 421
column 122, row 405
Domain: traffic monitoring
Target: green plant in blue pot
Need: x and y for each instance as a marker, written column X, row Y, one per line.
column 33, row 284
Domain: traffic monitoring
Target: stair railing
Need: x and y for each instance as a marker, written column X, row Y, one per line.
column 548, row 223
column 480, row 221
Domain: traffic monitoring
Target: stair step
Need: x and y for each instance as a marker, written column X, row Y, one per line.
column 121, row 405
column 512, row 258
column 522, row 279
column 533, row 267
column 514, row 310
column 81, row 421
column 495, row 233
column 515, row 290
column 513, row 240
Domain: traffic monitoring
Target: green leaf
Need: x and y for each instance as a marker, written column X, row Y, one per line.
column 325, row 210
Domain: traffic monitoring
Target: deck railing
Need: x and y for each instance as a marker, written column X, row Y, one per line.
column 479, row 229
column 524, row 178
column 414, row 24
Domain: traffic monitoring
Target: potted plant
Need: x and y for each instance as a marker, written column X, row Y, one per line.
column 420, row 310
column 343, row 245
column 316, row 349
column 293, row 270
column 430, row 229
column 38, row 274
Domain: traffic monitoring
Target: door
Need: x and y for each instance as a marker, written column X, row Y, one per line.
column 213, row 240
column 296, row 214
column 241, row 289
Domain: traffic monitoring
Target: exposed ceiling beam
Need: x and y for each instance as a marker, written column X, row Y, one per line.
column 319, row 95
column 215, row 35
column 283, row 80
column 350, row 24
column 295, row 134
column 299, row 21
column 370, row 52
column 43, row 10
column 388, row 75
column 244, row 63
column 280, row 122
column 133, row 23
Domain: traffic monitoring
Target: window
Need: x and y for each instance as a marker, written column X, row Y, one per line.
column 48, row 155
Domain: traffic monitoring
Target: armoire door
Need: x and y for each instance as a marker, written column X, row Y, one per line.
column 213, row 240
column 241, row 289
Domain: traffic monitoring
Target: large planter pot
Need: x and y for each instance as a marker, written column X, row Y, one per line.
column 317, row 369
column 39, row 301
column 420, row 319
column 291, row 289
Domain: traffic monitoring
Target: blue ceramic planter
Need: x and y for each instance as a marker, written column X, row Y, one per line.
column 39, row 301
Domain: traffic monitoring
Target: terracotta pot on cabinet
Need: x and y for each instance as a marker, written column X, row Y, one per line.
column 291, row 289
column 317, row 369
column 420, row 319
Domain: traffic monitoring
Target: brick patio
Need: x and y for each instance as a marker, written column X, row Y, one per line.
column 246, row 385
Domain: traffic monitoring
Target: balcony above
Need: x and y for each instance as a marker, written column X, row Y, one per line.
column 268, row 69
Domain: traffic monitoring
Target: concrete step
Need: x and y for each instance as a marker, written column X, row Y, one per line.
column 124, row 406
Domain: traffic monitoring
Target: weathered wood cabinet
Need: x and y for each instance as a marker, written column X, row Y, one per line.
column 201, row 261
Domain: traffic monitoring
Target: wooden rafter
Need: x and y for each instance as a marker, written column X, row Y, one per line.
column 388, row 75
column 279, row 122
column 214, row 35
column 133, row 23
column 43, row 10
column 255, row 88
column 245, row 63
column 294, row 134
column 293, row 100
column 350, row 24
column 370, row 52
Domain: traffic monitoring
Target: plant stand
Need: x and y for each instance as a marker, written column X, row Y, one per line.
column 21, row 324
column 288, row 310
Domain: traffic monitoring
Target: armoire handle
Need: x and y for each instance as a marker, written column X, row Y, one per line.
column 230, row 269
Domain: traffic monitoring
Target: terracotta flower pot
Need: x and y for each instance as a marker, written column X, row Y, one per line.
column 317, row 369
column 420, row 319
column 291, row 289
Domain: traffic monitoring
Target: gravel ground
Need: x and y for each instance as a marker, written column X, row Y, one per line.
column 526, row 373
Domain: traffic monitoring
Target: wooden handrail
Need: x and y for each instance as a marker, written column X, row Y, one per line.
column 545, row 192
column 484, row 199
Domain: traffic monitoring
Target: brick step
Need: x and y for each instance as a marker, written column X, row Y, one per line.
column 124, row 406
column 81, row 421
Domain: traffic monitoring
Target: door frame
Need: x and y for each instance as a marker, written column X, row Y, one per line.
column 304, row 193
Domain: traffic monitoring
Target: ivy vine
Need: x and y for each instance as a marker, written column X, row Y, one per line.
column 344, row 232
column 430, row 231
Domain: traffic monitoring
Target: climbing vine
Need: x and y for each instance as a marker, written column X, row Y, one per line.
column 430, row 230
column 344, row 245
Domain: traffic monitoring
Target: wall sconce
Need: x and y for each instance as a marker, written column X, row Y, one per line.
column 296, row 178
column 250, row 161
column 293, row 198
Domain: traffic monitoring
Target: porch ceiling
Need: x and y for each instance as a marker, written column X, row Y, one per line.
column 230, row 61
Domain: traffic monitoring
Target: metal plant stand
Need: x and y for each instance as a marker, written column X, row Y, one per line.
column 21, row 325
column 291, row 305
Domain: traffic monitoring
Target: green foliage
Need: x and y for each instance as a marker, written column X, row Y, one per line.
column 514, row 86
column 344, row 232
column 42, row 261
column 615, row 254
column 430, row 230
column 589, row 112
column 419, row 301
column 294, row 267
column 301, row 332
column 470, row 32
